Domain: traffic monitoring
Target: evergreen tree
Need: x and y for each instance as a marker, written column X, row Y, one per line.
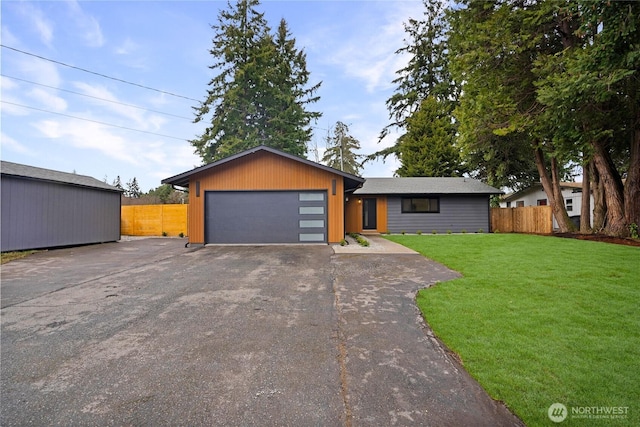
column 133, row 189
column 341, row 147
column 259, row 94
column 428, row 149
column 425, row 75
column 118, row 183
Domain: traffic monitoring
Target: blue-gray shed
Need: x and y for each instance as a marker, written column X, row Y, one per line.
column 43, row 208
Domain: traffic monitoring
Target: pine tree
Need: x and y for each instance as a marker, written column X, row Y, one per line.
column 133, row 189
column 341, row 149
column 118, row 183
column 259, row 94
column 428, row 148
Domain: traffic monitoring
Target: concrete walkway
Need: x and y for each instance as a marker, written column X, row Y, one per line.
column 377, row 245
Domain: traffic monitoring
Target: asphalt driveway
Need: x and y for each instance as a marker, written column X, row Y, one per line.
column 148, row 332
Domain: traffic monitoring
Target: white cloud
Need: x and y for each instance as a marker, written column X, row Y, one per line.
column 87, row 24
column 37, row 21
column 37, row 70
column 11, row 144
column 123, row 111
column 128, row 47
column 368, row 54
column 48, row 100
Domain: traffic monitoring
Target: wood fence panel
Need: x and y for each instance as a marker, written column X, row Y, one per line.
column 529, row 219
column 153, row 220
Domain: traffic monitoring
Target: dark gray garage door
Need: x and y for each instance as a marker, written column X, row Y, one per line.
column 266, row 217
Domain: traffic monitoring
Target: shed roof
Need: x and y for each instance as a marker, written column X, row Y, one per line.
column 425, row 185
column 182, row 180
column 32, row 172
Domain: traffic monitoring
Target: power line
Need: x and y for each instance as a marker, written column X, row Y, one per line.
column 93, row 121
column 98, row 74
column 95, row 97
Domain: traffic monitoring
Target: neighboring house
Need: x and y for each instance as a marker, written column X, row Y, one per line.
column 427, row 205
column 43, row 208
column 536, row 196
column 263, row 195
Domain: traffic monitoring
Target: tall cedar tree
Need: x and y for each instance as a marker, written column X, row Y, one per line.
column 259, row 95
column 425, row 76
column 592, row 95
column 495, row 45
column 341, row 149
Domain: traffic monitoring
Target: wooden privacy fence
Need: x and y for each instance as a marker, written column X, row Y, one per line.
column 153, row 220
column 529, row 219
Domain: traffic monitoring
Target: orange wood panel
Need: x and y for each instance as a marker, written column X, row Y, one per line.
column 381, row 214
column 353, row 217
column 265, row 171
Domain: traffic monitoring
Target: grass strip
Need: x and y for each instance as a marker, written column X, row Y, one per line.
column 538, row 320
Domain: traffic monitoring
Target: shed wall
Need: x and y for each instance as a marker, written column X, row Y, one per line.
column 265, row 171
column 457, row 213
column 39, row 214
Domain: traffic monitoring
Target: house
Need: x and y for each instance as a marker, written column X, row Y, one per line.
column 536, row 196
column 43, row 208
column 263, row 195
column 438, row 204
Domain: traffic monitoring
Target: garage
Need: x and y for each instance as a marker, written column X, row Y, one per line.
column 237, row 217
column 263, row 195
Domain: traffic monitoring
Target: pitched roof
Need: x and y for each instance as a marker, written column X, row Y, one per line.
column 182, row 180
column 535, row 187
column 32, row 172
column 424, row 185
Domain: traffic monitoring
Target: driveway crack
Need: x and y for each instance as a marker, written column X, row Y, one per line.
column 342, row 355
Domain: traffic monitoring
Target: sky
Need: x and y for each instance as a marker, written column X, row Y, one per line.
column 77, row 110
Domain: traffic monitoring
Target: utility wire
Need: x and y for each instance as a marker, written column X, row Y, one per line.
column 95, row 97
column 98, row 74
column 93, row 121
column 114, row 78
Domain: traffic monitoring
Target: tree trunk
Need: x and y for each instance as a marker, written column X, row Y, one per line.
column 551, row 187
column 632, row 185
column 599, row 205
column 613, row 191
column 585, row 206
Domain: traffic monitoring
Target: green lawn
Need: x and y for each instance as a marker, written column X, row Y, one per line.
column 538, row 320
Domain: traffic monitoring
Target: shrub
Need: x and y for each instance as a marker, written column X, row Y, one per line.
column 419, row 232
column 633, row 230
column 181, row 234
column 434, row 232
column 464, row 231
column 402, row 232
column 164, row 234
column 480, row 230
column 448, row 231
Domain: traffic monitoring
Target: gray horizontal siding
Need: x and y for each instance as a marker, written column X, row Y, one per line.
column 457, row 213
column 39, row 214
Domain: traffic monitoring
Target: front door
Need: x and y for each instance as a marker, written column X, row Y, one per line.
column 369, row 220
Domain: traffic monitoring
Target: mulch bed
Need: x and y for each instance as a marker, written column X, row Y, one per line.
column 600, row 238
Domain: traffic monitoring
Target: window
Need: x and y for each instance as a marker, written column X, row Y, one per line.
column 420, row 205
column 569, row 203
column 541, row 202
column 520, row 204
column 311, row 210
column 508, row 204
column 310, row 197
column 311, row 223
column 311, row 237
